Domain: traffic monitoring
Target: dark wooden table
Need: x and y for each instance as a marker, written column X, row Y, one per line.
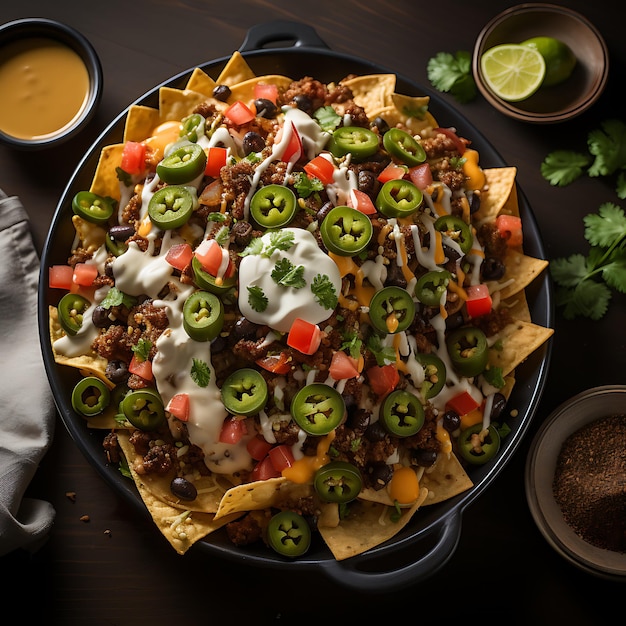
column 116, row 568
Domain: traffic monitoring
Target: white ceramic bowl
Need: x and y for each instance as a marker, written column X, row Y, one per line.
column 577, row 412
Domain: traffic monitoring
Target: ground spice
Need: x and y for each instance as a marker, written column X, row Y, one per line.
column 590, row 482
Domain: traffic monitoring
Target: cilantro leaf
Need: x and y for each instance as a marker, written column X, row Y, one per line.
column 453, row 73
column 608, row 145
column 621, row 186
column 257, row 299
column 223, row 235
column 588, row 299
column 200, row 372
column 352, row 344
column 324, row 292
column 115, row 297
column 562, row 167
column 305, row 185
column 570, row 271
column 614, row 273
column 606, row 227
column 255, row 247
column 286, row 274
column 142, row 349
column 279, row 240
column 384, row 355
column 327, row 118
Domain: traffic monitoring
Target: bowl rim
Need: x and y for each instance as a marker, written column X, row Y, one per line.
column 55, row 30
column 509, row 108
column 580, row 410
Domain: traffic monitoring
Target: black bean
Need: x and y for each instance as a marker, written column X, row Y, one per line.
column 474, row 203
column 252, row 142
column 379, row 474
column 498, row 406
column 381, row 124
column 425, row 458
column 492, row 268
column 183, row 489
column 265, row 108
column 367, row 182
column 324, row 211
column 100, row 317
column 375, row 432
column 221, row 92
column 303, row 102
column 122, row 232
column 451, row 420
column 117, row 371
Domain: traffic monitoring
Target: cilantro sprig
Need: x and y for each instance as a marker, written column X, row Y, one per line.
column 452, row 73
column 606, row 157
column 584, row 283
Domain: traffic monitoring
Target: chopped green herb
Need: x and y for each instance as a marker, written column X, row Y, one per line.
column 286, row 274
column 352, row 344
column 493, row 375
column 327, row 118
column 115, row 297
column 453, row 73
column 584, row 283
column 305, row 185
column 222, row 236
column 324, row 291
column 142, row 349
column 257, row 299
column 562, row 167
column 278, row 240
column 200, row 372
column 384, row 354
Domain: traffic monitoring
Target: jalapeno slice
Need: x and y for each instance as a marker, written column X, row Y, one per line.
column 398, row 198
column 71, row 309
column 171, row 206
column 92, row 207
column 338, row 481
column 392, row 310
column 244, row 392
column 434, row 374
column 355, row 140
column 318, row 409
column 204, row 280
column 143, row 408
column 468, row 350
column 192, row 127
column 346, row 231
column 477, row 445
column 289, row 534
column 203, row 316
column 404, row 147
column 455, row 228
column 402, row 413
column 182, row 165
column 432, row 286
column 273, row 206
column 90, row 396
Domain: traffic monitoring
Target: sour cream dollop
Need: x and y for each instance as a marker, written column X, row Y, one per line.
column 286, row 303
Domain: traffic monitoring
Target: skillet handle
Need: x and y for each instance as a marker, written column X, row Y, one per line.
column 294, row 34
column 383, row 581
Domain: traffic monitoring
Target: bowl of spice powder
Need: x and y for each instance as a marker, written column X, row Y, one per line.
column 576, row 481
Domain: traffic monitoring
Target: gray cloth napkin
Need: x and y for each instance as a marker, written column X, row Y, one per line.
column 27, row 413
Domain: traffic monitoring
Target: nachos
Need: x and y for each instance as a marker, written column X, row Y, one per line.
column 295, row 307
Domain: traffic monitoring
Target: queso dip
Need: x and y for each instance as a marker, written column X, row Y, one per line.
column 44, row 86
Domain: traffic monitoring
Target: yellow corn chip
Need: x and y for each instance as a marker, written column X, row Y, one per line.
column 140, row 122
column 236, row 71
column 201, row 82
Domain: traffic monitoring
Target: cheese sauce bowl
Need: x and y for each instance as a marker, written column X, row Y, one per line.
column 50, row 80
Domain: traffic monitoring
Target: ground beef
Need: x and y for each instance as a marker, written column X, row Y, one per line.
column 312, row 89
column 495, row 246
column 245, row 530
column 111, row 447
column 159, row 460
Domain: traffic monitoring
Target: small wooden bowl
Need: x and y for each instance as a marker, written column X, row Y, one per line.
column 557, row 103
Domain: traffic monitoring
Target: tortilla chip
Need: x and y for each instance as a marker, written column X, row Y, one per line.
column 518, row 307
column 210, row 488
column 416, row 125
column 500, row 182
column 176, row 104
column 367, row 525
column 244, row 91
column 235, row 71
column 445, row 479
column 140, row 121
column 373, row 91
column 521, row 270
column 105, row 181
column 201, row 82
column 519, row 340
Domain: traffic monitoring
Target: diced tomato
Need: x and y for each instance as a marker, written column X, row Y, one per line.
column 239, row 113
column 143, row 369
column 392, row 172
column 463, row 403
column 275, row 363
column 293, row 151
column 213, row 258
column 233, row 430
column 258, row 448
column 383, row 379
column 178, row 406
column 510, row 228
column 360, row 201
column 281, row 457
column 479, row 301
column 179, row 255
column 133, row 157
column 60, row 276
column 460, row 144
column 343, row 366
column 266, row 91
column 264, row 470
column 304, row 336
column 84, row 274
column 421, row 176
column 322, row 168
column 216, row 160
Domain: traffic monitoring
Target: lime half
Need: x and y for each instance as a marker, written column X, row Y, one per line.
column 513, row 71
column 559, row 58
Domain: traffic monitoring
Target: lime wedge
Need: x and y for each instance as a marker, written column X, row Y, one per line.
column 513, row 72
column 559, row 58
